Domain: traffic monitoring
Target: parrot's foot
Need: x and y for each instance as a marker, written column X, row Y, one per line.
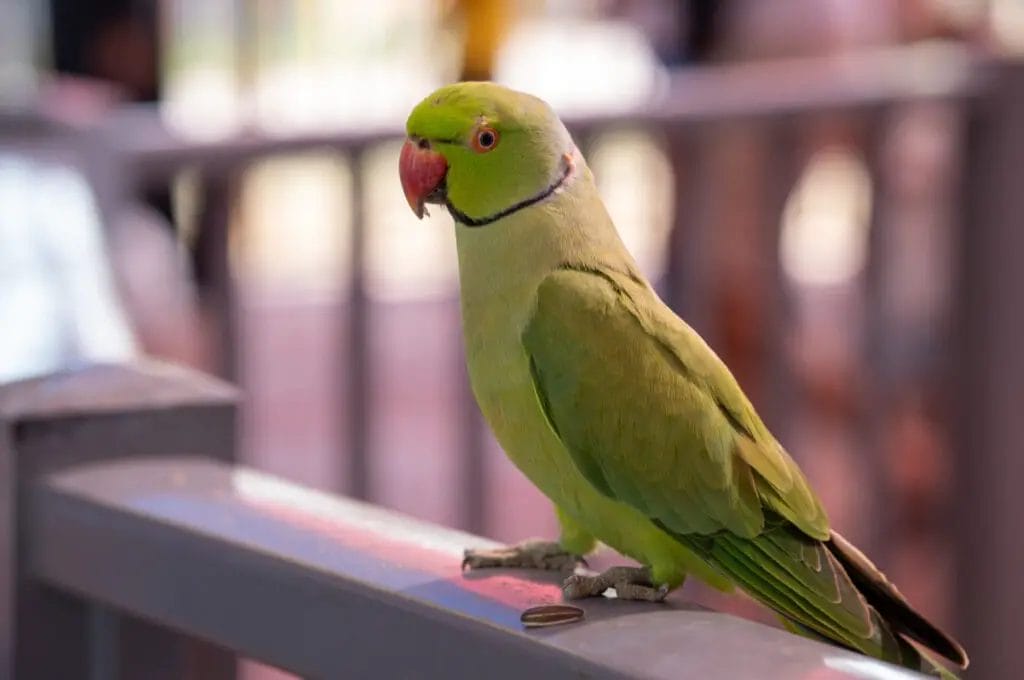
column 630, row 583
column 549, row 555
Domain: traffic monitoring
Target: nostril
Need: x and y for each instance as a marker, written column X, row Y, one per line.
column 423, row 144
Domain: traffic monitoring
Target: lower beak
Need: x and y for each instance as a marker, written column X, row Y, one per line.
column 422, row 171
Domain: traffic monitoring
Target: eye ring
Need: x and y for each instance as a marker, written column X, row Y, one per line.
column 484, row 139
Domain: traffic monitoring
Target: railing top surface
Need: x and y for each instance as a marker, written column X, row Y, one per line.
column 97, row 388
column 326, row 586
column 756, row 90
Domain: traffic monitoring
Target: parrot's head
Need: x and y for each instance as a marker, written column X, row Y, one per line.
column 483, row 151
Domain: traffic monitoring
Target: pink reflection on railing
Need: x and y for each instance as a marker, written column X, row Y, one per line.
column 403, row 543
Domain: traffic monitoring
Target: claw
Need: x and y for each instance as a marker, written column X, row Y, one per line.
column 577, row 587
column 630, row 583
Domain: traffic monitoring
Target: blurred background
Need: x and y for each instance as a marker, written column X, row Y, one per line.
column 215, row 182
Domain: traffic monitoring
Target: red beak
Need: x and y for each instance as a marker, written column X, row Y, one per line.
column 422, row 171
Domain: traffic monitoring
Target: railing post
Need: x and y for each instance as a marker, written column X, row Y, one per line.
column 690, row 242
column 775, row 388
column 84, row 416
column 987, row 396
column 472, row 452
column 358, row 377
column 213, row 268
column 877, row 381
column 104, row 643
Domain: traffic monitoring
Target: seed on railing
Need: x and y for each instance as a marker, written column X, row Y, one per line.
column 550, row 615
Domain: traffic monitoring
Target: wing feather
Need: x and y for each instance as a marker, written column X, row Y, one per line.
column 651, row 416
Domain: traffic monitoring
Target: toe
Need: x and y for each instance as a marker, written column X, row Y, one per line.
column 578, row 587
column 561, row 562
column 639, row 592
column 481, row 559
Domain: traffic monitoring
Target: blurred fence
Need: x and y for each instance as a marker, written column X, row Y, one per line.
column 984, row 375
column 137, row 153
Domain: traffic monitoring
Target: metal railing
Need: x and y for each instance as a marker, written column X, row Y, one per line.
column 131, row 563
column 96, row 414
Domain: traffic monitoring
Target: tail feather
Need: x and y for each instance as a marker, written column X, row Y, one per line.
column 830, row 590
column 894, row 648
column 777, row 568
column 890, row 603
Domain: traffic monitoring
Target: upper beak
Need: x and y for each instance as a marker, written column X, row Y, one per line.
column 422, row 171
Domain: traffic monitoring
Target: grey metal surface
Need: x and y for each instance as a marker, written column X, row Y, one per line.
column 97, row 389
column 332, row 588
column 95, row 413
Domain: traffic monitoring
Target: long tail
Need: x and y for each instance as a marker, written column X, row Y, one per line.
column 881, row 594
column 829, row 589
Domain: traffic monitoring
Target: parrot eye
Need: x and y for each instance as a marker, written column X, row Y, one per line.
column 485, row 139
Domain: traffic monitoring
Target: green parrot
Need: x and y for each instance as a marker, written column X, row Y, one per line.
column 612, row 405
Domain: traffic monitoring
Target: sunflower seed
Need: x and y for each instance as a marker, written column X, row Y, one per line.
column 550, row 615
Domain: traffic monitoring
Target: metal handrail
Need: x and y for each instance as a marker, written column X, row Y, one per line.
column 758, row 90
column 329, row 588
